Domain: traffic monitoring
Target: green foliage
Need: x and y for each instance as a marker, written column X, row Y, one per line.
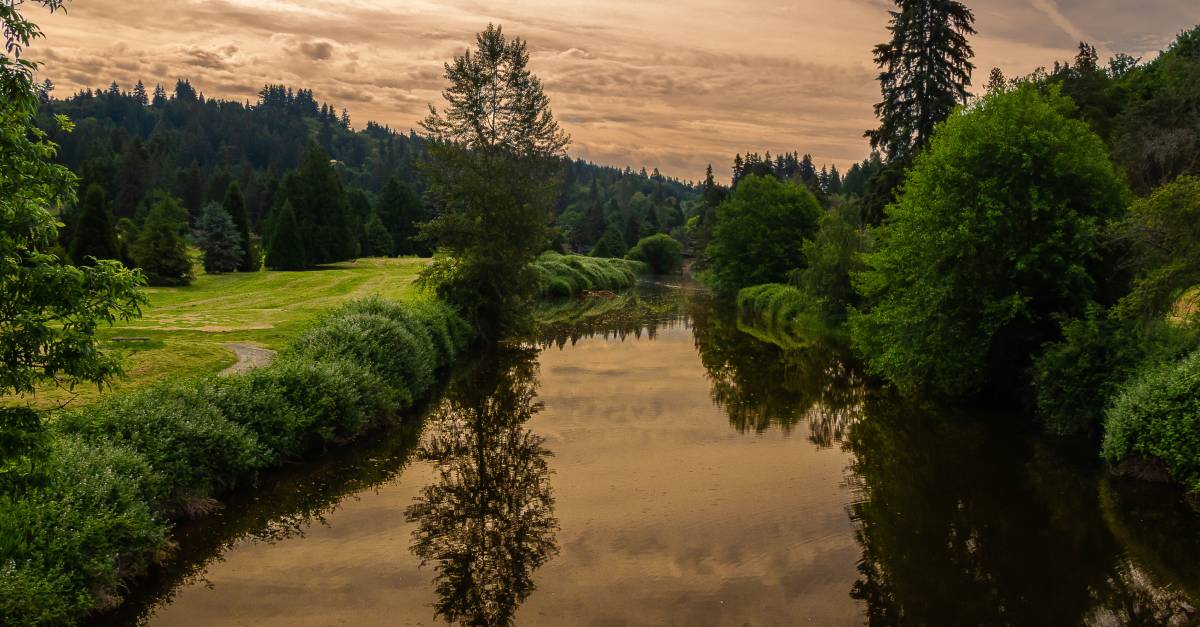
column 1076, row 378
column 95, row 237
column 995, row 237
column 610, row 245
column 219, row 240
column 377, row 241
column 759, row 232
column 832, row 256
column 781, row 309
column 235, row 206
column 660, row 252
column 565, row 275
column 1163, row 233
column 49, row 312
column 118, row 471
column 495, row 163
column 322, row 211
column 160, row 251
column 285, row 249
column 401, row 212
column 1157, row 415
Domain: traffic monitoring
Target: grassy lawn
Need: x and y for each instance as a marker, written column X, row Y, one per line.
column 187, row 327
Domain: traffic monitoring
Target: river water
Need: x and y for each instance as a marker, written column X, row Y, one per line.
column 649, row 460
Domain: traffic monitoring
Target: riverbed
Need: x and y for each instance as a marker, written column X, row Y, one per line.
column 649, row 459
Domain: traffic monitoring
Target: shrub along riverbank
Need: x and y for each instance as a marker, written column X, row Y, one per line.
column 98, row 508
column 566, row 275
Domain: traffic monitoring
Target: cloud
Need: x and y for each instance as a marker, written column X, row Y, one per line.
column 676, row 84
column 317, row 50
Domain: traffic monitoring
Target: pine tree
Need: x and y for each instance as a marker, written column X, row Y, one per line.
column 95, row 238
column 160, row 96
column 377, row 240
column 160, row 250
column 401, row 211
column 139, row 94
column 235, row 206
column 925, row 71
column 610, row 245
column 220, row 240
column 592, row 225
column 285, row 251
column 321, row 208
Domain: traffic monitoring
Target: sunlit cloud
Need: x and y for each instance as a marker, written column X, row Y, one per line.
column 675, row 85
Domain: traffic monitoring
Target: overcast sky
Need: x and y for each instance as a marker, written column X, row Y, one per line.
column 671, row 83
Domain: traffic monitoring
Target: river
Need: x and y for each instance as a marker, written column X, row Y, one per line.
column 649, row 460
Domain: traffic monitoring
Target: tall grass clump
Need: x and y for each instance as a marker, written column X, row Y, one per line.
column 565, row 275
column 1156, row 415
column 781, row 310
column 98, row 505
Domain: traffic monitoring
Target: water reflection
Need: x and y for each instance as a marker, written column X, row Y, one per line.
column 630, row 314
column 762, row 385
column 963, row 520
column 487, row 521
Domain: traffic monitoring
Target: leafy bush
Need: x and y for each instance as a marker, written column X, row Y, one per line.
column 995, row 237
column 1163, row 232
column 1074, row 379
column 564, row 275
column 831, row 257
column 1157, row 415
column 759, row 232
column 610, row 245
column 660, row 252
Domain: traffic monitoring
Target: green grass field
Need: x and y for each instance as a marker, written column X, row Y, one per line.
column 187, row 327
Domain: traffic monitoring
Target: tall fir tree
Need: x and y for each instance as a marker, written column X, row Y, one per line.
column 321, row 208
column 95, row 238
column 235, row 206
column 285, row 250
column 402, row 211
column 925, row 71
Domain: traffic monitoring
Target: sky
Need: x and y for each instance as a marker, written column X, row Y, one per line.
column 673, row 84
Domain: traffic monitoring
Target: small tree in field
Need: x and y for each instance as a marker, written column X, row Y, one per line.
column 220, row 240
column 495, row 161
column 286, row 250
column 95, row 237
column 160, row 250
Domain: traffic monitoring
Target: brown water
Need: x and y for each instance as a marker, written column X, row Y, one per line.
column 648, row 462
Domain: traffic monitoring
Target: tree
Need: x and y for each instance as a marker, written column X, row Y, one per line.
column 160, row 250
column 401, row 211
column 235, row 206
column 610, row 245
column 219, row 240
column 1162, row 233
column 495, row 162
column 285, row 250
column 831, row 257
column 661, row 252
column 49, row 311
column 378, row 242
column 995, row 238
column 94, row 238
column 924, row 73
column 759, row 232
column 322, row 210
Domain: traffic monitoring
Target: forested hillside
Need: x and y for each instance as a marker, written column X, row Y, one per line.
column 353, row 192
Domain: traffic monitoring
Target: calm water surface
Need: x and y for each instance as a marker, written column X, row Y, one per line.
column 650, row 461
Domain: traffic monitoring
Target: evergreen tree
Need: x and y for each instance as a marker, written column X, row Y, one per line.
column 591, row 227
column 95, row 238
column 610, row 245
column 285, row 251
column 402, row 211
column 139, row 94
column 376, row 238
column 220, row 240
column 322, row 210
column 235, row 206
column 160, row 250
column 925, row 71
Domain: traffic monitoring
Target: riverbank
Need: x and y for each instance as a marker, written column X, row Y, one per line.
column 100, row 507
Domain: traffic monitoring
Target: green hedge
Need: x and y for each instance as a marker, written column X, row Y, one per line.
column 565, row 275
column 118, row 472
column 661, row 253
column 1157, row 415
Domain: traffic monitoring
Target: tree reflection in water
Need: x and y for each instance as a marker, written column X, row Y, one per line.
column 487, row 521
column 762, row 385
